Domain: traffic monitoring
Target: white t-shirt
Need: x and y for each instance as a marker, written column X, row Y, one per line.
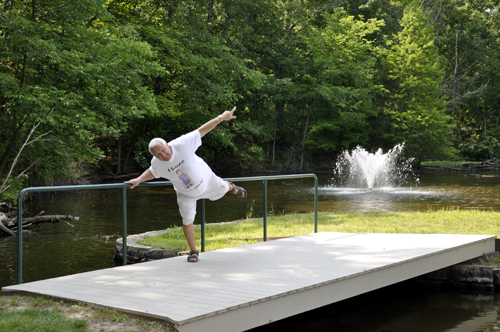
column 188, row 173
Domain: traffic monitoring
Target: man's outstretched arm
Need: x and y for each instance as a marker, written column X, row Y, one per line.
column 145, row 176
column 207, row 127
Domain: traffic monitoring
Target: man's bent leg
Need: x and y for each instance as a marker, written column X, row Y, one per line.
column 189, row 233
column 238, row 191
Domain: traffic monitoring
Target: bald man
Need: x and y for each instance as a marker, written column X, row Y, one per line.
column 190, row 175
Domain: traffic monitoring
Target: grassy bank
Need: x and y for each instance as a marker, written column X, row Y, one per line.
column 427, row 222
column 26, row 313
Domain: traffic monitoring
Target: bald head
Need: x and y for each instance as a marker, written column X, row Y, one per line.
column 154, row 142
column 160, row 149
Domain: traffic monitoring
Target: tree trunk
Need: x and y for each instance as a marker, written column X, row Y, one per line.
column 459, row 122
column 119, row 157
column 170, row 11
column 228, row 18
column 453, row 97
column 210, row 11
column 305, row 131
column 279, row 107
column 129, row 152
column 484, row 123
column 274, row 137
column 304, row 136
column 10, row 146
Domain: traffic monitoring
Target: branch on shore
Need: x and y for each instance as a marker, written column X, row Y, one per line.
column 6, row 230
column 483, row 165
column 9, row 225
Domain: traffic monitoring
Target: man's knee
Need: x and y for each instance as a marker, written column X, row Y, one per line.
column 187, row 224
column 188, row 217
column 187, row 210
column 188, row 227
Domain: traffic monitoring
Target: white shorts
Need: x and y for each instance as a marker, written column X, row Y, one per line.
column 216, row 189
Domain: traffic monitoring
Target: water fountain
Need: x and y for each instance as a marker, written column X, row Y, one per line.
column 361, row 169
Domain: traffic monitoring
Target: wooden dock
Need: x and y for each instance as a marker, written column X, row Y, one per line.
column 244, row 287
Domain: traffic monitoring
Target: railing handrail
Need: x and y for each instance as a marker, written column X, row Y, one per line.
column 124, row 187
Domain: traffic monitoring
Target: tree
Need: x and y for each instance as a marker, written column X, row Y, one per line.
column 338, row 88
column 266, row 35
column 205, row 73
column 416, row 113
column 65, row 77
column 464, row 38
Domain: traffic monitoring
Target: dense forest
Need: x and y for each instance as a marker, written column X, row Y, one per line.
column 84, row 85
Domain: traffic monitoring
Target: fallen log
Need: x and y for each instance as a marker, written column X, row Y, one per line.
column 6, row 230
column 3, row 228
column 7, row 225
column 477, row 166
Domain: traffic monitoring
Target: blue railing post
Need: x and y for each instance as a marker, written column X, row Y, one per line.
column 203, row 225
column 265, row 210
column 20, row 237
column 315, row 205
column 124, row 222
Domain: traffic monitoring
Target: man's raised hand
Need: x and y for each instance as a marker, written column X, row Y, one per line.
column 228, row 115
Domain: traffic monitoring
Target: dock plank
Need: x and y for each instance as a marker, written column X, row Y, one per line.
column 240, row 288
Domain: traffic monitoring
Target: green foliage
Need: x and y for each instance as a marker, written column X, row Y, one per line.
column 66, row 82
column 202, row 79
column 466, row 35
column 415, row 109
column 475, row 150
column 13, row 186
column 91, row 82
column 341, row 80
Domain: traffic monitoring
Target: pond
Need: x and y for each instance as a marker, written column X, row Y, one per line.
column 58, row 249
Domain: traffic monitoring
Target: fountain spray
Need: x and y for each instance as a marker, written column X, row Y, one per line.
column 361, row 168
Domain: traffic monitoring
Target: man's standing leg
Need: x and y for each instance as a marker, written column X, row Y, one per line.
column 187, row 209
column 189, row 233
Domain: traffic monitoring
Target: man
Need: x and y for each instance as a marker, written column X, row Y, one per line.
column 190, row 175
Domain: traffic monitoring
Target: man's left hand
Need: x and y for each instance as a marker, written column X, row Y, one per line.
column 228, row 115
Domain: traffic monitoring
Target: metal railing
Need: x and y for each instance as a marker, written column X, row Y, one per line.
column 124, row 186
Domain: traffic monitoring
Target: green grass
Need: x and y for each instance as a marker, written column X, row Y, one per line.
column 427, row 222
column 27, row 314
column 39, row 320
